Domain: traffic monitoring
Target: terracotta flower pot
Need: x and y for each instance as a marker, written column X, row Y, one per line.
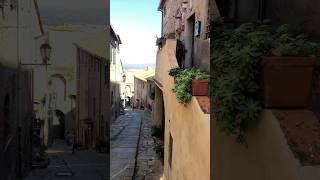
column 200, row 87
column 286, row 81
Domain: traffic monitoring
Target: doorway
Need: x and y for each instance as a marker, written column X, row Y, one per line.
column 59, row 127
column 190, row 39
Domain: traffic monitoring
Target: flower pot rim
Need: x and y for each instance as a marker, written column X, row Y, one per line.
column 288, row 61
column 195, row 79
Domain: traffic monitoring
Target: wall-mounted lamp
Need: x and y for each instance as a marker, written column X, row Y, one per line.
column 45, row 51
column 124, row 77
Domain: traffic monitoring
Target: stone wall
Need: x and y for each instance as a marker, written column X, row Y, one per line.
column 16, row 111
column 92, row 84
column 115, row 89
column 198, row 52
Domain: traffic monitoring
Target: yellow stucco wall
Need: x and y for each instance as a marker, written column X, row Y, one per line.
column 188, row 126
column 268, row 156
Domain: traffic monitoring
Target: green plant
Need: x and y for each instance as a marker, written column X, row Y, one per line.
column 152, row 93
column 175, row 71
column 236, row 69
column 160, row 150
column 183, row 82
column 157, row 131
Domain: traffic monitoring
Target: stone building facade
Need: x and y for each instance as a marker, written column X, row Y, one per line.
column 142, row 89
column 15, row 123
column 58, row 80
column 93, row 89
column 188, row 21
column 117, row 85
column 18, row 45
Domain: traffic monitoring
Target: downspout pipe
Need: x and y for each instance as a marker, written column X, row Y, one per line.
column 261, row 10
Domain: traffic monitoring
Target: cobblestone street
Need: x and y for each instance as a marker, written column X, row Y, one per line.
column 132, row 154
column 83, row 165
column 148, row 166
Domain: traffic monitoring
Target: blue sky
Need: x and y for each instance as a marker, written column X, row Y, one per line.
column 138, row 23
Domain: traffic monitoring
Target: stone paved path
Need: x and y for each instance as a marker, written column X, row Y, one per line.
column 83, row 165
column 132, row 148
column 124, row 136
column 148, row 166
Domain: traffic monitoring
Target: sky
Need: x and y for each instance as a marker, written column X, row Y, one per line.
column 138, row 23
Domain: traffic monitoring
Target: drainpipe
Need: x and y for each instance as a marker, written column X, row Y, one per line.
column 236, row 6
column 100, row 72
column 18, row 92
column 162, row 24
column 261, row 11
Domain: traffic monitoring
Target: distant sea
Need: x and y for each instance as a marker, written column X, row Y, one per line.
column 139, row 66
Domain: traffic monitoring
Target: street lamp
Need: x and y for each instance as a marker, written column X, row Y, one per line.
column 45, row 50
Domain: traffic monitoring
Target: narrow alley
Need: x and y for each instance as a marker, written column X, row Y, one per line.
column 82, row 165
column 132, row 148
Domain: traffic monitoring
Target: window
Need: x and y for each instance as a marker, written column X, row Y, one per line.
column 170, row 150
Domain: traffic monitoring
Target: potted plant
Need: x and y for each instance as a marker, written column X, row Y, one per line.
column 183, row 83
column 160, row 152
column 174, row 72
column 287, row 73
column 256, row 65
column 200, row 87
column 286, row 81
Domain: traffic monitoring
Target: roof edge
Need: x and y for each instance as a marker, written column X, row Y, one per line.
column 160, row 7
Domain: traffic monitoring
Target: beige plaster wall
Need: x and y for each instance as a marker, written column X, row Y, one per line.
column 158, row 108
column 268, row 157
column 188, row 126
column 141, row 93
